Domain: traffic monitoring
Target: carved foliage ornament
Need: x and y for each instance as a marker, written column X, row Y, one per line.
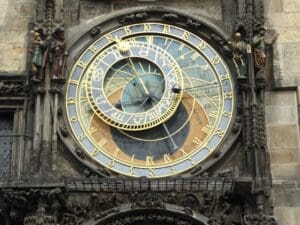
column 11, row 88
column 152, row 219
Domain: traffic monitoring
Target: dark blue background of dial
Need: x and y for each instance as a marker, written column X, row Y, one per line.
column 141, row 149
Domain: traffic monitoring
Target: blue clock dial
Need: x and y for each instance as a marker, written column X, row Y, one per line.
column 150, row 99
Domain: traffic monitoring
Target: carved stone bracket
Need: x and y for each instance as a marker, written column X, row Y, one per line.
column 258, row 219
column 9, row 88
column 134, row 17
column 40, row 220
column 33, row 206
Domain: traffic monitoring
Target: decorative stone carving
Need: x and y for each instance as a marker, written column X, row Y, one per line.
column 11, row 88
column 39, row 54
column 105, row 202
column 226, row 172
column 212, row 221
column 218, row 39
column 68, row 219
column 208, row 203
column 134, row 17
column 80, row 153
column 79, row 210
column 225, row 216
column 239, row 48
column 15, row 204
column 40, row 220
column 95, row 31
column 152, row 219
column 258, row 219
column 260, row 43
column 64, row 130
column 58, row 54
column 191, row 200
column 172, row 199
column 57, row 202
column 193, row 24
column 48, row 43
column 171, row 17
column 146, row 200
column 259, row 48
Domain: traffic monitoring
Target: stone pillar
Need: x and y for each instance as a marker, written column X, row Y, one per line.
column 54, row 130
column 36, row 135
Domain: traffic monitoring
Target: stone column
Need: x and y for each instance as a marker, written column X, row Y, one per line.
column 34, row 166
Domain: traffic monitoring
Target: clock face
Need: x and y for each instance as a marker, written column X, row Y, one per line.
column 149, row 99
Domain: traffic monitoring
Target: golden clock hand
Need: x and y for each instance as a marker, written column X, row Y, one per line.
column 138, row 76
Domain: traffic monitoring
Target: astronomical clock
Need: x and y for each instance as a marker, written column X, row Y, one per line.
column 150, row 99
column 146, row 115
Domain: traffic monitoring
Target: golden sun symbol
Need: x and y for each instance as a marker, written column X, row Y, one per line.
column 122, row 45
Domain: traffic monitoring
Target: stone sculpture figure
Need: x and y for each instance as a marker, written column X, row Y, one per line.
column 260, row 44
column 259, row 49
column 38, row 53
column 239, row 48
column 58, row 54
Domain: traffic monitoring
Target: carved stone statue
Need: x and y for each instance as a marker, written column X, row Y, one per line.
column 208, row 203
column 39, row 53
column 58, row 54
column 225, row 216
column 259, row 47
column 191, row 201
column 239, row 47
column 260, row 42
column 57, row 201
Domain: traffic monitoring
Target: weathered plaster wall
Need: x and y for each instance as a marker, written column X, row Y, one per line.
column 282, row 109
column 14, row 20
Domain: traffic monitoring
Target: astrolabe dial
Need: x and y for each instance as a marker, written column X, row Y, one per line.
column 150, row 99
column 139, row 78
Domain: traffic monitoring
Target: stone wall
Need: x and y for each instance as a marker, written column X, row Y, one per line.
column 15, row 16
column 282, row 109
column 14, row 25
column 210, row 8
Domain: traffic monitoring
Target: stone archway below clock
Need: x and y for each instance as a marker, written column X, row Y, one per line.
column 168, row 215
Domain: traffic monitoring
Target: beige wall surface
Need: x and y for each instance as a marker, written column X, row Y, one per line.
column 282, row 109
column 16, row 14
column 14, row 21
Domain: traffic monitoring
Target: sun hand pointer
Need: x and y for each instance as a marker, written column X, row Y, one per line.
column 138, row 76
